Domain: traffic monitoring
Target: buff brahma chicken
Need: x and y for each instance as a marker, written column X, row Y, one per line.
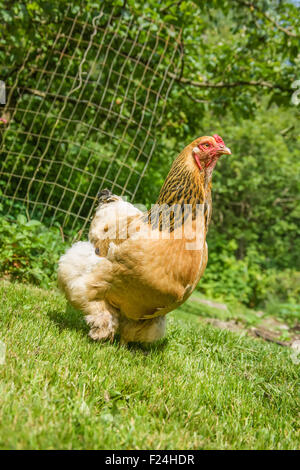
column 138, row 266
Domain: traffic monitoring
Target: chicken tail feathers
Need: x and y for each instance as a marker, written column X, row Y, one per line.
column 105, row 196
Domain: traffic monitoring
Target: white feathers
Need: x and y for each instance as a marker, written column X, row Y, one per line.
column 82, row 258
column 111, row 219
column 119, row 207
column 74, row 265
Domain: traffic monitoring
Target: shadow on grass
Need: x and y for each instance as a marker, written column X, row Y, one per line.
column 70, row 320
column 147, row 348
column 73, row 319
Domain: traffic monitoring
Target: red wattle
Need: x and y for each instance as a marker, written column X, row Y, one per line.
column 198, row 161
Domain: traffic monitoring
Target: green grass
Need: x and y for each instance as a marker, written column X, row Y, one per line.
column 200, row 388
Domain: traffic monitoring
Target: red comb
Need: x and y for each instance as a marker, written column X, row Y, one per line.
column 218, row 139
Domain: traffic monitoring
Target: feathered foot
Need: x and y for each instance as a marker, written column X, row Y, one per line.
column 103, row 320
column 142, row 331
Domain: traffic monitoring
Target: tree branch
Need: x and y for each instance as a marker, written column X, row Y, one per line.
column 257, row 83
column 253, row 6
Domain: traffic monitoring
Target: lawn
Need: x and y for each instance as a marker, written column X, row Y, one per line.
column 200, row 388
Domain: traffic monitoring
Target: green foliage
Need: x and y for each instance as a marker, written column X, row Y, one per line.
column 256, row 191
column 254, row 238
column 29, row 251
column 72, row 145
column 245, row 279
column 236, row 48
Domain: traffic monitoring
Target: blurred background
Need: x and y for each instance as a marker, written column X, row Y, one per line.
column 106, row 94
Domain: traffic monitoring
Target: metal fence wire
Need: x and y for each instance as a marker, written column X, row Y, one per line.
column 82, row 115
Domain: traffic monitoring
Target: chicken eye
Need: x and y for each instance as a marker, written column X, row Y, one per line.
column 97, row 251
column 206, row 145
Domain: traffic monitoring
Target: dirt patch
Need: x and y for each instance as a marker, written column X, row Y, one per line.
column 209, row 303
column 269, row 330
column 231, row 325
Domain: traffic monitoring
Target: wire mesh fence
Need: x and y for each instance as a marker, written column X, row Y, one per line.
column 82, row 115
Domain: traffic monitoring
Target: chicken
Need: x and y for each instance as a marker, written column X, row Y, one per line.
column 138, row 266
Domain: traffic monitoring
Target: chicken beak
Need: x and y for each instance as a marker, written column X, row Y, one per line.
column 225, row 150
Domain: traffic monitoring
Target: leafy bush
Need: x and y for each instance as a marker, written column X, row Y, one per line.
column 29, row 251
column 246, row 280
